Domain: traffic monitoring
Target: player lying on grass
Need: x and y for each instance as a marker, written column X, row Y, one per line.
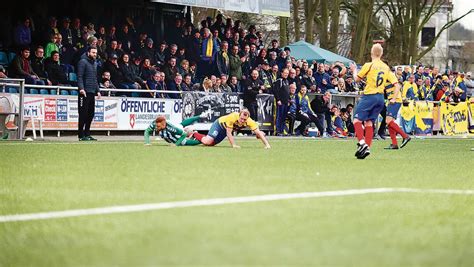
column 225, row 125
column 180, row 136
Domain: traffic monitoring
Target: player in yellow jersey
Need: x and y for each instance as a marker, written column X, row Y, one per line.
column 372, row 101
column 225, row 125
column 393, row 106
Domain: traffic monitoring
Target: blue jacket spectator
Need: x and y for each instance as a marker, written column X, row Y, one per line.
column 23, row 33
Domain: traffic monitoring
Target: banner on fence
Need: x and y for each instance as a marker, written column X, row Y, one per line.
column 218, row 104
column 454, row 118
column 138, row 113
column 265, row 111
column 423, row 118
column 407, row 113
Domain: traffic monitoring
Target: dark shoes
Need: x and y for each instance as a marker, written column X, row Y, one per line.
column 362, row 151
column 87, row 138
column 392, row 146
column 405, row 141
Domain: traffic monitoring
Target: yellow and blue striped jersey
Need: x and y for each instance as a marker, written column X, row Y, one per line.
column 232, row 121
column 390, row 89
column 376, row 73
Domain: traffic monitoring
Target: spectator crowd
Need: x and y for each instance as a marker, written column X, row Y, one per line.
column 218, row 55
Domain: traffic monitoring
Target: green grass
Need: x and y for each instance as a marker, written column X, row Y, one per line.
column 390, row 229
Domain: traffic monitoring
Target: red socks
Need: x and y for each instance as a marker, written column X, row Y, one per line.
column 393, row 136
column 369, row 135
column 397, row 129
column 359, row 130
column 198, row 136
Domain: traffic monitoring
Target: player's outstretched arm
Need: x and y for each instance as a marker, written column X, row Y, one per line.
column 231, row 138
column 260, row 135
column 147, row 133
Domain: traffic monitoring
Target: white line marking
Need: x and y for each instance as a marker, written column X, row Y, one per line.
column 218, row 201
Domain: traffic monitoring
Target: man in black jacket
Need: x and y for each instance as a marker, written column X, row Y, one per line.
column 253, row 86
column 320, row 106
column 281, row 90
column 88, row 88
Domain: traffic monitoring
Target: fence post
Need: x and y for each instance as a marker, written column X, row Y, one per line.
column 21, row 109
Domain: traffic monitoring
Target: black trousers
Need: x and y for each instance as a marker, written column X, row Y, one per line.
column 383, row 124
column 86, row 109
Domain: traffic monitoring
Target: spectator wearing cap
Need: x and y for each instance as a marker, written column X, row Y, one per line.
column 21, row 68
column 266, row 76
column 22, row 34
column 223, row 59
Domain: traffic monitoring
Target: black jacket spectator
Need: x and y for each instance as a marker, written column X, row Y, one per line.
column 37, row 64
column 56, row 73
column 318, row 105
column 281, row 90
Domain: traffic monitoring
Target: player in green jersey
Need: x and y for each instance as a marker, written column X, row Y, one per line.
column 178, row 135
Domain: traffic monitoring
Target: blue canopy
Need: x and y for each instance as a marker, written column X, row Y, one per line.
column 304, row 50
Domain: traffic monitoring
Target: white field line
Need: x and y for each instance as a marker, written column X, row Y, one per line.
column 218, row 201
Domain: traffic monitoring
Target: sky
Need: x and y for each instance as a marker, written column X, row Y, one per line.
column 462, row 6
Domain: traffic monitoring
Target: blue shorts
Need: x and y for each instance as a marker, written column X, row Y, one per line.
column 392, row 109
column 369, row 107
column 217, row 132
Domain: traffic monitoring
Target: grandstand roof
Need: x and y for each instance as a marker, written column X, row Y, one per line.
column 304, row 50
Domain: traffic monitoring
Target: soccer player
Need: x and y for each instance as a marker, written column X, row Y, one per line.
column 179, row 136
column 393, row 106
column 372, row 101
column 225, row 125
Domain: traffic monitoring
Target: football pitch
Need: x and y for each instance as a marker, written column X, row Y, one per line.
column 305, row 202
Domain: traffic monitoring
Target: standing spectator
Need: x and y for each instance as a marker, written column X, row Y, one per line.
column 88, row 88
column 101, row 34
column 23, row 33
column 252, row 87
column 208, row 54
column 21, row 68
column 235, row 63
column 112, row 35
column 275, row 47
column 51, row 29
column 323, row 80
column 469, row 84
column 160, row 54
column 77, row 40
column 281, row 90
column 127, row 38
column 223, row 61
column 192, row 45
column 266, row 76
